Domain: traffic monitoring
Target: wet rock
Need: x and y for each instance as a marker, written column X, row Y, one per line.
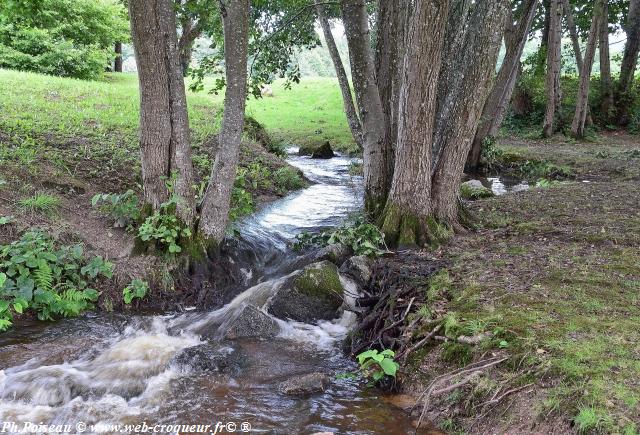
column 336, row 253
column 314, row 293
column 252, row 323
column 473, row 189
column 357, row 268
column 209, row 358
column 305, row 384
column 316, row 151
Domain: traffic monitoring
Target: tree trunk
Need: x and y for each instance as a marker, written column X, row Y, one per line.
column 424, row 195
column 552, row 84
column 606, row 89
column 190, row 31
column 408, row 208
column 376, row 152
column 343, row 80
column 164, row 125
column 629, row 61
column 477, row 61
column 573, row 32
column 391, row 27
column 117, row 62
column 497, row 103
column 582, row 101
column 217, row 199
column 544, row 40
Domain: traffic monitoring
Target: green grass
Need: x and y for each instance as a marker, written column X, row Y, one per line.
column 61, row 110
column 40, row 203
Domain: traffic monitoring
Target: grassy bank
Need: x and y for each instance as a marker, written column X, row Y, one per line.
column 552, row 277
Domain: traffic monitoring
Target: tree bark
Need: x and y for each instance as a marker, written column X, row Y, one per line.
column 573, row 32
column 582, row 101
column 629, row 62
column 164, row 125
column 190, row 31
column 544, row 41
column 217, row 198
column 408, row 209
column 606, row 87
column 117, row 62
column 552, row 84
column 497, row 103
column 477, row 61
column 343, row 80
column 376, row 153
column 391, row 27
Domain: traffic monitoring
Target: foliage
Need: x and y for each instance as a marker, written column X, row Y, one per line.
column 364, row 238
column 124, row 207
column 164, row 228
column 5, row 220
column 137, row 289
column 288, row 179
column 376, row 365
column 70, row 38
column 40, row 203
column 52, row 281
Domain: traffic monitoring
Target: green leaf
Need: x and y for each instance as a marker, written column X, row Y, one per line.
column 366, row 354
column 389, row 366
column 3, row 279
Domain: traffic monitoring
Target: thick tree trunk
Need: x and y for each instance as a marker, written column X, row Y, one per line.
column 343, row 80
column 552, row 84
column 390, row 49
column 408, row 210
column 606, row 87
column 217, row 199
column 117, row 62
column 573, row 32
column 477, row 61
column 497, row 103
column 582, row 101
column 164, row 125
column 376, row 152
column 629, row 62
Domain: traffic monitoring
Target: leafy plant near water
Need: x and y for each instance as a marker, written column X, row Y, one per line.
column 364, row 238
column 52, row 281
column 137, row 289
column 376, row 365
column 40, row 203
column 123, row 207
column 164, row 228
column 287, row 179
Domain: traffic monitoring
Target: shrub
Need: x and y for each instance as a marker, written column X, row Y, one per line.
column 362, row 237
column 164, row 228
column 287, row 179
column 52, row 281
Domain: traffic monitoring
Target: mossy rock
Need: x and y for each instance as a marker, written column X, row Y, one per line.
column 473, row 189
column 256, row 132
column 317, row 151
column 311, row 294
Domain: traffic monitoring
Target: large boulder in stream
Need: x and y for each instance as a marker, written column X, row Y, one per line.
column 209, row 358
column 317, row 151
column 305, row 384
column 252, row 323
column 312, row 294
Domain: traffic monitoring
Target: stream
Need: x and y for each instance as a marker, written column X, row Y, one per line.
column 118, row 369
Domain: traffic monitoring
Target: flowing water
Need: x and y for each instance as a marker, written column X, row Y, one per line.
column 106, row 370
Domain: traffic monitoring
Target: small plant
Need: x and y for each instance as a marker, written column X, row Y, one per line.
column 124, row 207
column 544, row 183
column 376, row 365
column 40, row 203
column 590, row 419
column 362, row 237
column 165, row 229
column 5, row 220
column 137, row 289
column 52, row 281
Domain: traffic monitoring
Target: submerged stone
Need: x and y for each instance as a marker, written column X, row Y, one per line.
column 312, row 294
column 252, row 323
column 209, row 358
column 304, row 385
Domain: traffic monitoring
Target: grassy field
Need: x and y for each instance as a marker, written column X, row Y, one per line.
column 554, row 274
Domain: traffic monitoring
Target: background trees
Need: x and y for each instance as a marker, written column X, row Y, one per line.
column 70, row 38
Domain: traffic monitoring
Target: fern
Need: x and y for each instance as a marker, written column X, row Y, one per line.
column 43, row 276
